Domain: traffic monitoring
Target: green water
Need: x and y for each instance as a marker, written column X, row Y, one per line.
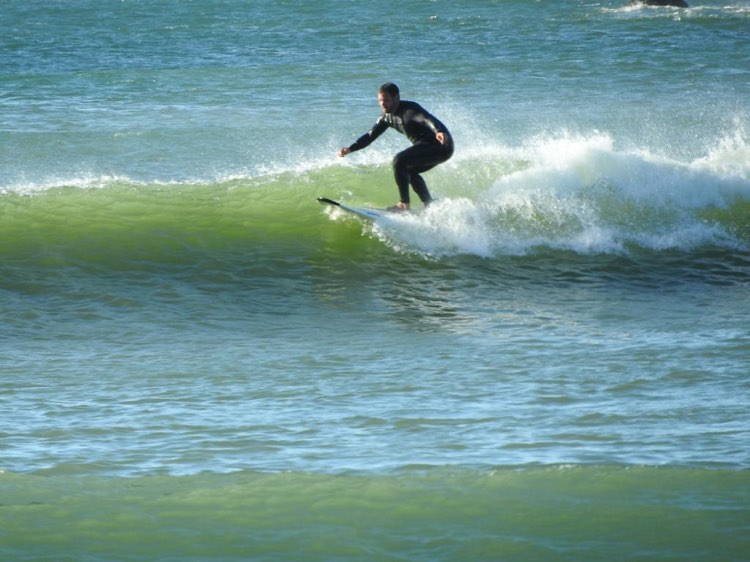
column 552, row 513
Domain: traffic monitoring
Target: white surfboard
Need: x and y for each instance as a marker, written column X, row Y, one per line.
column 365, row 212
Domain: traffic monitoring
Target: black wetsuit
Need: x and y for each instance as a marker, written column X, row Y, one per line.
column 426, row 152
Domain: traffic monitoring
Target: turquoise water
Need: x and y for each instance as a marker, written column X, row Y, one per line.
column 200, row 362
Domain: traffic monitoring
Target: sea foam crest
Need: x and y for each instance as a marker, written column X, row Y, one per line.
column 583, row 194
column 81, row 181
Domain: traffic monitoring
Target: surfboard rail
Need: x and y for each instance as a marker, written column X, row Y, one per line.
column 365, row 212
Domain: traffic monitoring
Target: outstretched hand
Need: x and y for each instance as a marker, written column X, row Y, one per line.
column 343, row 152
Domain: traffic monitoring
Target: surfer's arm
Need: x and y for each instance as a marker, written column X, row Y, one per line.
column 442, row 134
column 365, row 140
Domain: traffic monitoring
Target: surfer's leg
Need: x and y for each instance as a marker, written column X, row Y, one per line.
column 401, row 174
column 420, row 188
column 410, row 163
column 403, row 165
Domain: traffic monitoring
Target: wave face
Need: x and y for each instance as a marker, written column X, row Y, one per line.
column 573, row 194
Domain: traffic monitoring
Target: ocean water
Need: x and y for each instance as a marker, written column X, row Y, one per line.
column 200, row 362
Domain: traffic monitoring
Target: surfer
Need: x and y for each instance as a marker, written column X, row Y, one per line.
column 432, row 143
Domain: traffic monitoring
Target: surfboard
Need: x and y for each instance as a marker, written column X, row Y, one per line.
column 365, row 212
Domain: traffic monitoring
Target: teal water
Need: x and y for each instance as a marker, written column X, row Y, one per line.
column 200, row 362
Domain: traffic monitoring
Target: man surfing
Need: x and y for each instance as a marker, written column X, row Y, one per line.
column 432, row 143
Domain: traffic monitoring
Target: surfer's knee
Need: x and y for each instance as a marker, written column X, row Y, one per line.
column 399, row 163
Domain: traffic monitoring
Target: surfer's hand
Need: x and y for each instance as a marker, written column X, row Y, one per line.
column 343, row 152
column 440, row 137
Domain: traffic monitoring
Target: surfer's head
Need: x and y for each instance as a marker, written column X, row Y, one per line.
column 388, row 97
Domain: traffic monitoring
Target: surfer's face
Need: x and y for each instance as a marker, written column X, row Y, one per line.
column 387, row 102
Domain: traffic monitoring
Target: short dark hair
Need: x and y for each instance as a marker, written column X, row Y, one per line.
column 389, row 88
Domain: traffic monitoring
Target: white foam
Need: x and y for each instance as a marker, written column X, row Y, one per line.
column 83, row 181
column 584, row 194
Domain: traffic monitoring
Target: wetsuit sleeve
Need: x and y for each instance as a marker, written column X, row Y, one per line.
column 435, row 124
column 368, row 137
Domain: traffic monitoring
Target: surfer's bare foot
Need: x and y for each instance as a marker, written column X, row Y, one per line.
column 400, row 206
